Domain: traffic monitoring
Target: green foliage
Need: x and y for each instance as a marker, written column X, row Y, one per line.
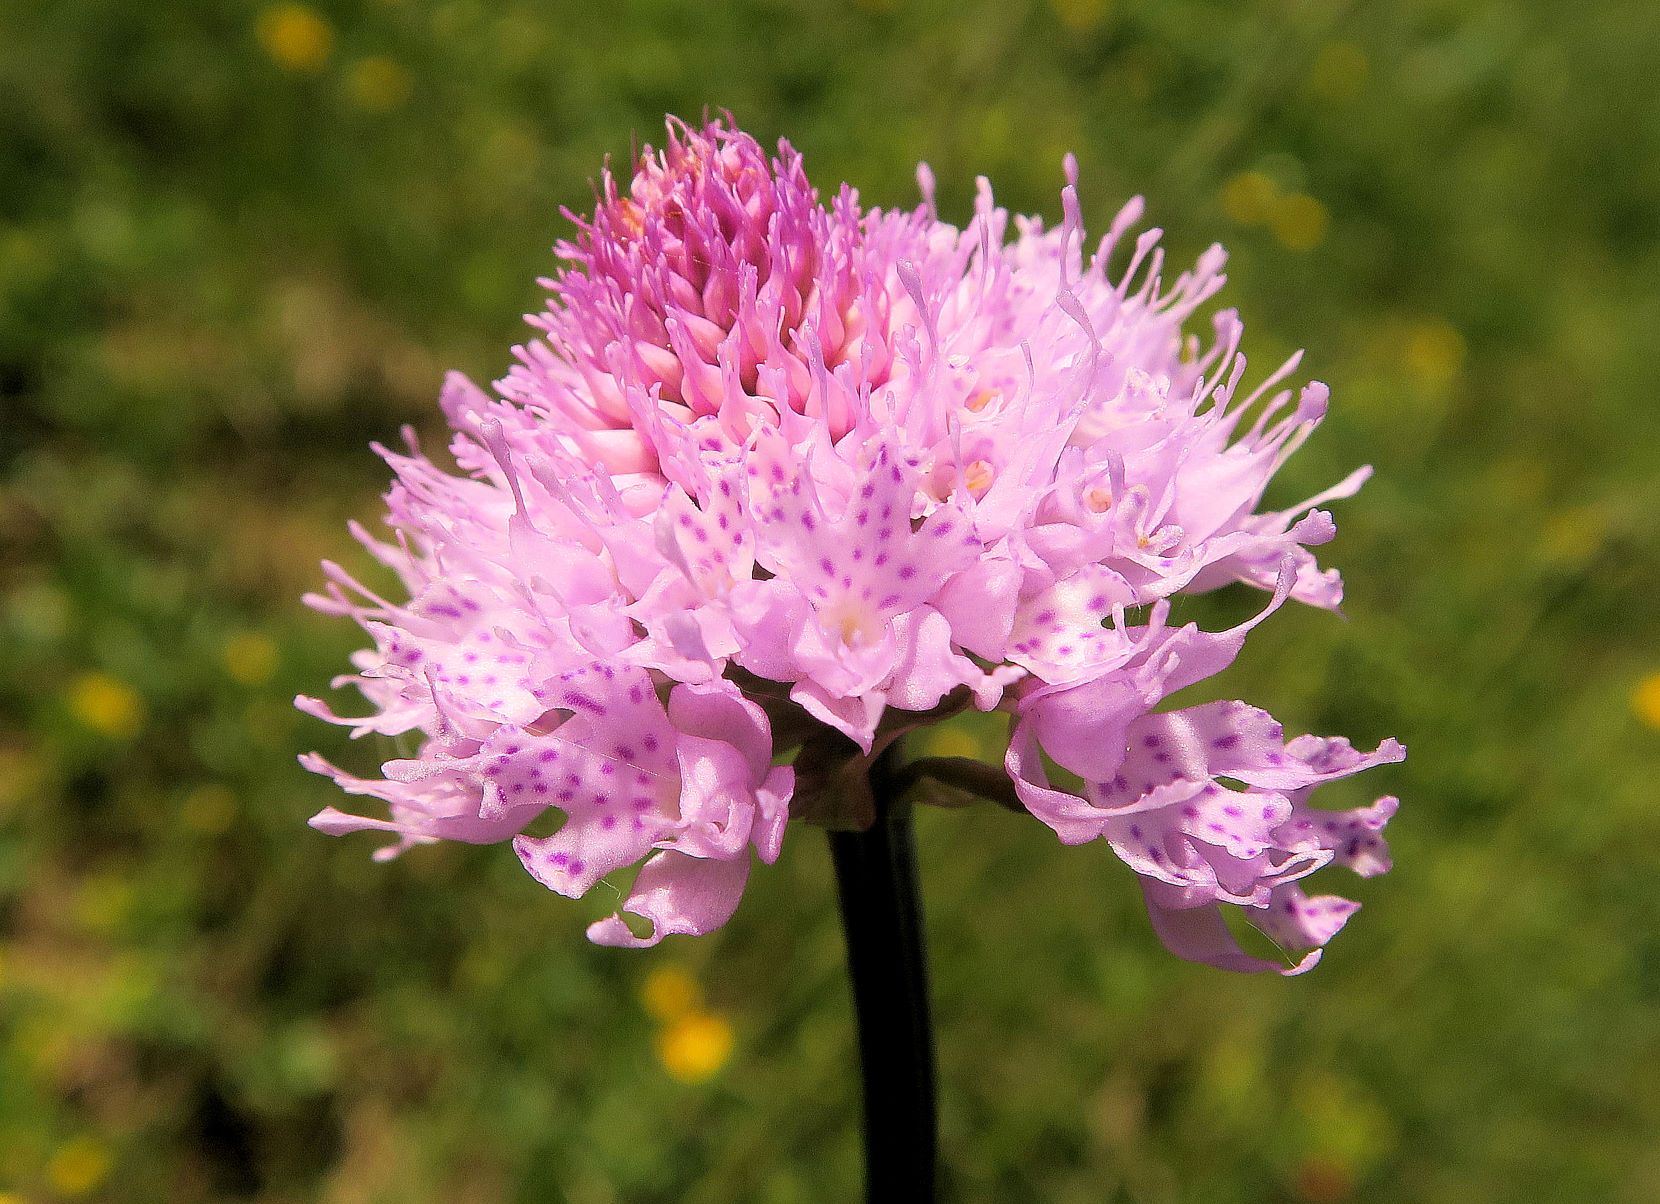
column 238, row 244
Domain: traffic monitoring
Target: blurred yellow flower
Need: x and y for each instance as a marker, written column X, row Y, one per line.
column 1081, row 16
column 78, row 1166
column 107, row 706
column 208, row 809
column 20, row 776
column 1434, row 352
column 670, row 993
column 695, row 1047
column 1249, row 197
column 1300, row 222
column 378, row 84
column 296, row 37
column 945, row 740
column 39, row 1042
column 1340, row 72
column 251, row 658
column 1645, row 700
column 103, row 902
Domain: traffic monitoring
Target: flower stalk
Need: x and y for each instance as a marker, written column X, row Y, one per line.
column 881, row 908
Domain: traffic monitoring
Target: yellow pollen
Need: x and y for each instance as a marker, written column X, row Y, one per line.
column 629, row 214
column 978, row 477
column 981, row 399
column 853, row 623
column 1098, row 499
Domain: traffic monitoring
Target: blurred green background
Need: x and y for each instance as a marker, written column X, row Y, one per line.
column 239, row 242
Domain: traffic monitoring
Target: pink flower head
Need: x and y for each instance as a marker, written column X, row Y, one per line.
column 784, row 474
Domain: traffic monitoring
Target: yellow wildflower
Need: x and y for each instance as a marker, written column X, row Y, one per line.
column 378, row 84
column 78, row 1167
column 1249, row 197
column 297, row 38
column 1300, row 222
column 670, row 993
column 251, row 658
column 1645, row 700
column 107, row 706
column 695, row 1047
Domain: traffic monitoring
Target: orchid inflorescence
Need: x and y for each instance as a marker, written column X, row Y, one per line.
column 780, row 480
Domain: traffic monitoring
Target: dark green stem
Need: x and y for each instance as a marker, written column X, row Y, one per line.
column 881, row 907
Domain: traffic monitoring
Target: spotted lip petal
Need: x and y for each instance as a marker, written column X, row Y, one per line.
column 780, row 471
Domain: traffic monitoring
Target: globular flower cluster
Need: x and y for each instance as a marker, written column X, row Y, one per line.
column 781, row 478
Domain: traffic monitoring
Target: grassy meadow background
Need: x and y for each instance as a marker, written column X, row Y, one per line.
column 238, row 242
